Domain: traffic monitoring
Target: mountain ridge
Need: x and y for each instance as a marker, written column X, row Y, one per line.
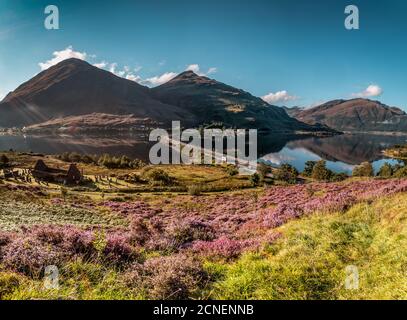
column 74, row 87
column 217, row 103
column 354, row 115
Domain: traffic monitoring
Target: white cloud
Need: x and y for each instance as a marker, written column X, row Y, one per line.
column 121, row 73
column 193, row 67
column 280, row 96
column 59, row 56
column 196, row 69
column 277, row 158
column 133, row 77
column 126, row 72
column 157, row 80
column 371, row 91
column 112, row 67
column 2, row 94
column 69, row 52
column 212, row 70
column 101, row 65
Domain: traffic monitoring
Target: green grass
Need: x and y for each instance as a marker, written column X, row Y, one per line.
column 214, row 178
column 78, row 280
column 310, row 260
column 14, row 214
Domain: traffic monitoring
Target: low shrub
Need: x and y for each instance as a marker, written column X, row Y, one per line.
column 188, row 231
column 30, row 256
column 232, row 170
column 106, row 160
column 157, row 176
column 140, row 232
column 174, row 277
column 195, row 190
column 118, row 251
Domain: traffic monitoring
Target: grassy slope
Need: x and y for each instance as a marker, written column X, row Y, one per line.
column 212, row 177
column 310, row 260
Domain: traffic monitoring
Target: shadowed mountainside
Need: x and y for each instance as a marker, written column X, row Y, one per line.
column 216, row 103
column 74, row 87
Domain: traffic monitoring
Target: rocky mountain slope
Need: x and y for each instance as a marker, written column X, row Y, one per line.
column 355, row 115
column 219, row 104
column 76, row 88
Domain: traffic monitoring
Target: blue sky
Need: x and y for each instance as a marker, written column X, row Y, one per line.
column 297, row 52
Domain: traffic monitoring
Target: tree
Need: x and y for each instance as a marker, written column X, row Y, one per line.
column 124, row 162
column 255, row 179
column 232, row 170
column 309, row 166
column 401, row 172
column 262, row 171
column 286, row 173
column 337, row 177
column 4, row 161
column 386, row 171
column 75, row 157
column 320, row 171
column 365, row 169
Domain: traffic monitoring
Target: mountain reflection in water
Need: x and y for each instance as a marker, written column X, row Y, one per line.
column 133, row 146
column 341, row 152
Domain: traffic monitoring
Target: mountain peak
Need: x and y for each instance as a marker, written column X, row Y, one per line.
column 187, row 75
column 71, row 64
column 73, row 61
column 74, row 87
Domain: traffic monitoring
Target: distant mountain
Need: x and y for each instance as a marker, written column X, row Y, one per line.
column 355, row 115
column 213, row 102
column 293, row 111
column 74, row 87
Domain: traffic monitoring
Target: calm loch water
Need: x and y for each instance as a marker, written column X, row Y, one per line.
column 342, row 153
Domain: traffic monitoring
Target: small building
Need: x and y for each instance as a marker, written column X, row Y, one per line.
column 44, row 173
